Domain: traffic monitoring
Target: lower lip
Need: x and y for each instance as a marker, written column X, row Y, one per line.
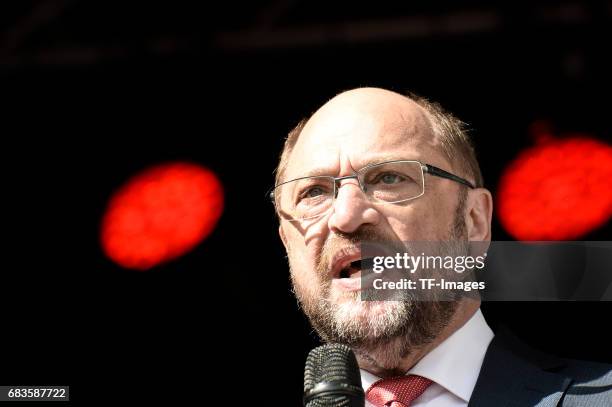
column 355, row 283
column 347, row 284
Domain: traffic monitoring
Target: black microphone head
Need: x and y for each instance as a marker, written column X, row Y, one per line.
column 331, row 378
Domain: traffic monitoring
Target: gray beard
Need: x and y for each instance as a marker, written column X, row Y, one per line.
column 399, row 328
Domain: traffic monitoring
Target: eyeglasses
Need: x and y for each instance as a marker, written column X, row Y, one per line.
column 389, row 182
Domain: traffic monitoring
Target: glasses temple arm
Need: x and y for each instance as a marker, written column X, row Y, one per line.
column 438, row 172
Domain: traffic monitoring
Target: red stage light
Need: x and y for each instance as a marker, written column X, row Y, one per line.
column 560, row 189
column 161, row 214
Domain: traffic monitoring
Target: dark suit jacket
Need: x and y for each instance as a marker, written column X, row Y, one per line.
column 514, row 375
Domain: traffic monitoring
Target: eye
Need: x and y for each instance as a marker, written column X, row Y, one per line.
column 313, row 192
column 389, row 178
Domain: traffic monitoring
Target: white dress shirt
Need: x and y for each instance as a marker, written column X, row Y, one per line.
column 453, row 366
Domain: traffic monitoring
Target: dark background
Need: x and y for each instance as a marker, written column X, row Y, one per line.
column 94, row 91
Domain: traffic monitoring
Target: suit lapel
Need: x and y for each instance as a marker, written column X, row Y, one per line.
column 513, row 375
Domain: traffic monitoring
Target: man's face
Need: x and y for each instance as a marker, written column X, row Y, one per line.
column 353, row 130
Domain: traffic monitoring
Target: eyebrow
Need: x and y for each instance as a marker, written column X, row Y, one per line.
column 369, row 161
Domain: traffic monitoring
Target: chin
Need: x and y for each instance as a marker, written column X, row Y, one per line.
column 351, row 303
column 370, row 310
column 369, row 320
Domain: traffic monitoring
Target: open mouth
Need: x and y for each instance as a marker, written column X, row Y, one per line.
column 353, row 269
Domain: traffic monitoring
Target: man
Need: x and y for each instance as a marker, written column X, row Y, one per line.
column 418, row 353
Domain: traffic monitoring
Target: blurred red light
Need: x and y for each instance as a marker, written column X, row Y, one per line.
column 560, row 189
column 161, row 214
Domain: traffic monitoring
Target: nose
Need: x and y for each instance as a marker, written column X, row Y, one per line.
column 351, row 208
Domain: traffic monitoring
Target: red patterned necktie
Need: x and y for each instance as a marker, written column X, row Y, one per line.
column 397, row 391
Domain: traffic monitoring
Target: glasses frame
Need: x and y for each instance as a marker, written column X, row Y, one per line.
column 425, row 169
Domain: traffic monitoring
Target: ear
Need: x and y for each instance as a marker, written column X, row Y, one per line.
column 479, row 210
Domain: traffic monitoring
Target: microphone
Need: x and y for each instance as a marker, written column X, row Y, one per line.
column 331, row 378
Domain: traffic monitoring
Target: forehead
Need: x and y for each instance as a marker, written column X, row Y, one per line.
column 362, row 131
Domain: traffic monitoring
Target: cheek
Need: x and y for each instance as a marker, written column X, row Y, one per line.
column 305, row 281
column 304, row 246
column 411, row 229
column 422, row 221
column 303, row 268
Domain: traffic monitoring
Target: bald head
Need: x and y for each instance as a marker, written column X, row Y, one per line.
column 364, row 115
column 372, row 101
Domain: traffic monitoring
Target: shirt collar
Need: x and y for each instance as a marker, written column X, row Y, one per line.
column 455, row 363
